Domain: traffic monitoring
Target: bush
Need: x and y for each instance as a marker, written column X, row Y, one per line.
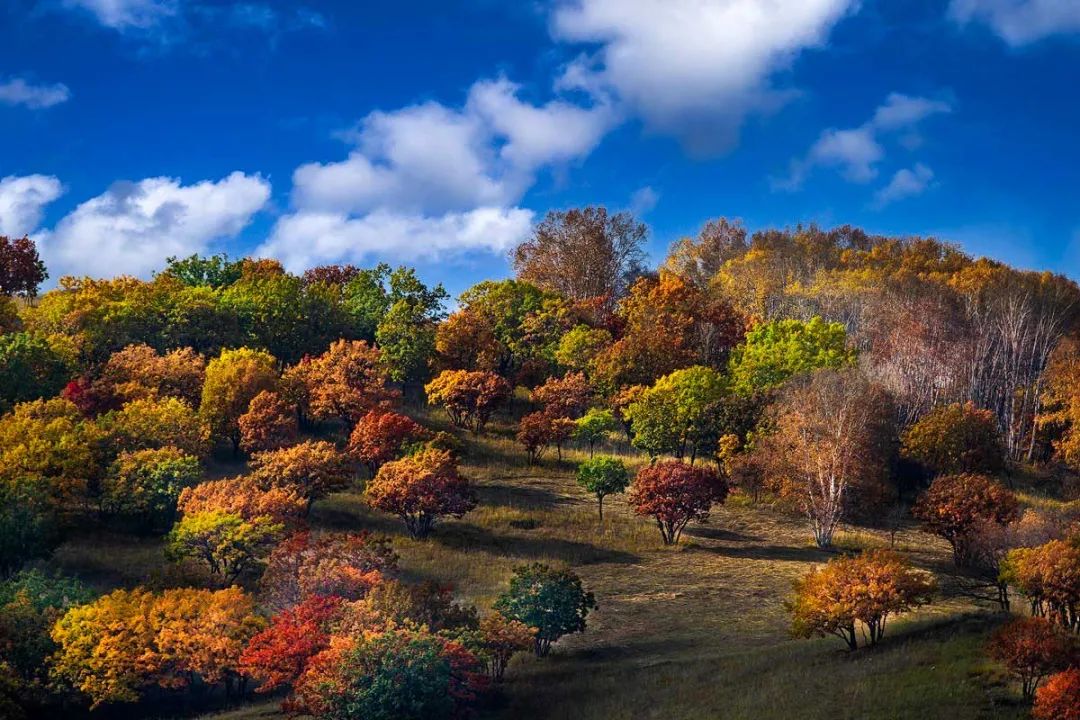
column 469, row 398
column 1031, row 649
column 954, row 505
column 594, row 426
column 270, row 423
column 954, row 439
column 552, row 601
column 1059, row 698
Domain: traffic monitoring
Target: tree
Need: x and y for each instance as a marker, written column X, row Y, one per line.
column 700, row 259
column 1031, row 649
column 583, row 254
column 145, row 485
column 398, row 674
column 244, row 496
column 139, row 372
column 315, row 467
column 420, row 489
column 26, row 527
column 673, row 494
column 406, row 332
column 777, row 350
column 1049, row 576
column 954, row 439
column 500, row 639
column 953, row 505
column 348, row 381
column 850, row 594
column 213, row 271
column 552, row 601
column 345, row 565
column 469, row 398
column 831, row 448
column 594, row 426
column 227, row 543
column 380, row 437
column 155, row 423
column 277, row 655
column 680, row 414
column 233, row 379
column 568, row 396
column 580, row 346
column 269, row 424
column 21, row 268
column 428, row 604
column 1059, row 697
column 535, row 433
column 30, row 368
column 330, row 274
column 603, row 476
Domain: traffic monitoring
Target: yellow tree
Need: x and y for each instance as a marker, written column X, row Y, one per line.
column 233, row 379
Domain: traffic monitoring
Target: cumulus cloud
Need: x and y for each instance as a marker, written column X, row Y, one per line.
column 690, row 68
column 430, row 180
column 907, row 182
column 22, row 200
column 132, row 227
column 857, row 152
column 1019, row 22
column 17, row 91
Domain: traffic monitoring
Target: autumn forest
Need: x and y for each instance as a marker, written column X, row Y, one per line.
column 799, row 472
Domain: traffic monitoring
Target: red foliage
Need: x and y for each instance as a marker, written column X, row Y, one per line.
column 675, row 493
column 278, row 655
column 420, row 489
column 955, row 504
column 1059, row 698
column 21, row 269
column 330, row 274
column 568, row 396
column 1031, row 648
column 338, row 564
column 380, row 436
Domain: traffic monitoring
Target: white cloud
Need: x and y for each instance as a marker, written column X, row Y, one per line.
column 856, row 152
column 306, row 239
column 16, row 91
column 430, row 180
column 133, row 227
column 693, row 68
column 1020, row 22
column 644, row 200
column 22, row 200
column 904, row 184
column 127, row 14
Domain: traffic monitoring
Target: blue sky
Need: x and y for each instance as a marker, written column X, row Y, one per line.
column 436, row 133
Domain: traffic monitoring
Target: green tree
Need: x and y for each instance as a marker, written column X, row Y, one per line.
column 594, row 425
column 30, row 368
column 680, row 414
column 603, row 476
column 780, row 349
column 213, row 271
column 227, row 543
column 552, row 601
column 144, row 485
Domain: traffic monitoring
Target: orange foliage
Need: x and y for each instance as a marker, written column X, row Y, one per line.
column 379, row 437
column 420, row 489
column 1059, row 698
column 469, row 398
column 1049, row 576
column 245, row 497
column 1031, row 648
column 269, row 423
column 954, row 504
column 347, row 381
column 568, row 396
column 315, row 467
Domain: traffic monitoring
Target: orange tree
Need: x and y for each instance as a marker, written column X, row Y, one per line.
column 957, row 438
column 1049, row 576
column 469, row 398
column 499, row 639
column 380, row 437
column 955, row 504
column 420, row 489
column 269, row 423
column 568, row 396
column 1031, row 649
column 1059, row 698
column 347, row 381
column 674, row 493
column 315, row 467
column 850, row 593
column 245, row 497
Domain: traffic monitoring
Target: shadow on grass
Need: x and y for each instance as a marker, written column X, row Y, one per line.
column 522, row 498
column 464, row 536
column 770, row 552
column 714, row 533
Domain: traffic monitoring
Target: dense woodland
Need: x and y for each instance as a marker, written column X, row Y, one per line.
column 220, row 412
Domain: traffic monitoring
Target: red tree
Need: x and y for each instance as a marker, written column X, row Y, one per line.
column 420, row 489
column 277, row 655
column 379, row 437
column 21, row 268
column 675, row 493
column 567, row 396
column 955, row 504
column 1031, row 648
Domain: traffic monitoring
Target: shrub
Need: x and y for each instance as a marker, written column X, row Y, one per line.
column 603, row 476
column 420, row 489
column 853, row 592
column 673, row 494
column 955, row 504
column 568, row 396
column 954, row 439
column 594, row 426
column 244, row 496
column 1049, row 576
column 278, row 654
column 314, row 467
column 552, row 601
column 154, row 423
column 233, row 379
column 380, row 437
column 1059, row 698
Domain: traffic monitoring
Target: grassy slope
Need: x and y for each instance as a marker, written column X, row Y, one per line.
column 698, row 631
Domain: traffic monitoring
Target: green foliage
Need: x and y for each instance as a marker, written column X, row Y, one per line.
column 144, row 485
column 552, row 601
column 45, row 590
column 227, row 543
column 594, row 425
column 603, row 476
column 680, row 414
column 212, row 271
column 406, row 337
column 26, row 529
column 233, row 379
column 780, row 349
column 29, row 369
column 580, row 345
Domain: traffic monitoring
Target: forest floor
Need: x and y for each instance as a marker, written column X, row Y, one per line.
column 695, row 631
